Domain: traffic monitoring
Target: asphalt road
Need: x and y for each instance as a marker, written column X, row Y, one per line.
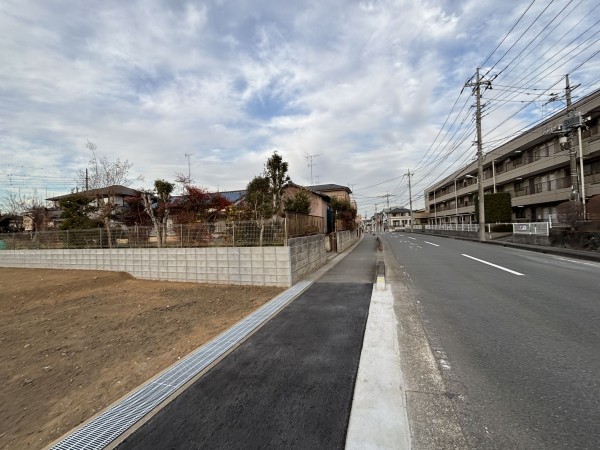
column 290, row 385
column 517, row 342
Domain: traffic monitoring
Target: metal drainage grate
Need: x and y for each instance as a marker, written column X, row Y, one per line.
column 115, row 421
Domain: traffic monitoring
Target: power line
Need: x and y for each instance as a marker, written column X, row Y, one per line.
column 507, row 34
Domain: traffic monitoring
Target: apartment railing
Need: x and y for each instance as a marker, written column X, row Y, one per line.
column 545, row 186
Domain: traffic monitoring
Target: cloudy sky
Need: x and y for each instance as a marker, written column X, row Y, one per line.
column 369, row 89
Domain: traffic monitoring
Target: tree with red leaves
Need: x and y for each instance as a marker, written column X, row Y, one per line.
column 199, row 205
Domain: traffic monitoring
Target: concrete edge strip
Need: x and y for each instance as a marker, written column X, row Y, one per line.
column 378, row 417
column 108, row 425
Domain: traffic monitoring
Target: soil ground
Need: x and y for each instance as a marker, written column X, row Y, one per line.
column 73, row 342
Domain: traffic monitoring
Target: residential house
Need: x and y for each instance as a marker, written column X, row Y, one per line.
column 117, row 192
column 332, row 190
column 399, row 218
column 320, row 211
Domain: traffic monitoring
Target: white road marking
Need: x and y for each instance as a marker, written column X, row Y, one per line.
column 493, row 265
column 414, row 239
column 431, row 243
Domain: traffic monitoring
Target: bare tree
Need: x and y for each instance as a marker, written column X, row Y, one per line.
column 101, row 180
column 31, row 207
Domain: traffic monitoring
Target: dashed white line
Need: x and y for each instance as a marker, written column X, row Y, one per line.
column 431, row 243
column 414, row 239
column 514, row 272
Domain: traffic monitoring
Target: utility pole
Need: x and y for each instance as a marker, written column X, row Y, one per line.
column 572, row 153
column 309, row 159
column 86, row 180
column 477, row 85
column 410, row 201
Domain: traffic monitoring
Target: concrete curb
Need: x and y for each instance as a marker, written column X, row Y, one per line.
column 379, row 417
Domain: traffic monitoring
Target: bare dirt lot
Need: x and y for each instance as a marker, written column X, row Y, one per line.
column 73, row 342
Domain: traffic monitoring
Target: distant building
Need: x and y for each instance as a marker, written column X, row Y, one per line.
column 399, row 218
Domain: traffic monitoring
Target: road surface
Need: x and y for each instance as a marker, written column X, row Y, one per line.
column 515, row 335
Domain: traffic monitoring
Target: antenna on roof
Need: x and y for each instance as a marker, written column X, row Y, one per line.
column 187, row 155
column 309, row 158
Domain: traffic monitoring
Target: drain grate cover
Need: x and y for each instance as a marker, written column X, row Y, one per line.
column 109, row 425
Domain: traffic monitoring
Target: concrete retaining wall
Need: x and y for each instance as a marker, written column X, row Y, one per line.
column 345, row 239
column 307, row 254
column 259, row 266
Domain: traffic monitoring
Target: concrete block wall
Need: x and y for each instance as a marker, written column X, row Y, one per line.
column 345, row 239
column 307, row 254
column 259, row 266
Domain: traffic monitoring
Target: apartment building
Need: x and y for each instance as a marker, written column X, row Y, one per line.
column 534, row 168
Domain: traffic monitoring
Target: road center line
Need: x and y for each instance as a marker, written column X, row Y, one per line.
column 493, row 265
column 431, row 243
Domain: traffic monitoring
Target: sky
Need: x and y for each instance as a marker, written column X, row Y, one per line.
column 365, row 90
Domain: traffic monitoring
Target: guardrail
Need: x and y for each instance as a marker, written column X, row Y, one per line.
column 453, row 227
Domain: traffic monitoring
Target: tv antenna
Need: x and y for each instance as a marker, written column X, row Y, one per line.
column 309, row 159
column 187, row 155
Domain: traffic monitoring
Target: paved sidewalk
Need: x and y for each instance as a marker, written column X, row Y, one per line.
column 290, row 384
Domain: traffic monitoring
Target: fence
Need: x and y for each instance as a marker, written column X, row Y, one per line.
column 536, row 228
column 304, row 225
column 471, row 227
column 219, row 234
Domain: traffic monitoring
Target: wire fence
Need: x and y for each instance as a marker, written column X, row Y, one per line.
column 220, row 234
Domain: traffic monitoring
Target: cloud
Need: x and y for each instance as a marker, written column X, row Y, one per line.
column 365, row 85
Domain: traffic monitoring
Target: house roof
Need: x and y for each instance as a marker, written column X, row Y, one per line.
column 398, row 210
column 115, row 189
column 233, row 196
column 329, row 188
column 320, row 194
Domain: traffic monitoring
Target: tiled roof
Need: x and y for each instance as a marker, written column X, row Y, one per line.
column 398, row 210
column 329, row 187
column 114, row 190
column 233, row 196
